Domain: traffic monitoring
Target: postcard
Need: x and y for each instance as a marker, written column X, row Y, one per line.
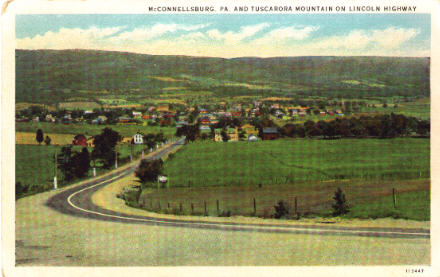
column 221, row 138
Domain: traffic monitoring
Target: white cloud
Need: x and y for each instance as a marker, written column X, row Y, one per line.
column 68, row 38
column 230, row 37
column 390, row 38
column 195, row 40
column 157, row 30
column 286, row 34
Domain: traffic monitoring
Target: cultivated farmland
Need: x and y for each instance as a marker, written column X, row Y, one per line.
column 298, row 160
column 234, row 174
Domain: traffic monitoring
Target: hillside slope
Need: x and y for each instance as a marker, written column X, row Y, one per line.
column 51, row 76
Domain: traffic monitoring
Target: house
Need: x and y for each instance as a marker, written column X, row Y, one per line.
column 181, row 123
column 233, row 134
column 165, row 121
column 321, row 113
column 138, row 139
column 100, row 119
column 205, row 121
column 147, row 116
column 123, row 119
column 236, row 114
column 218, row 135
column 249, row 129
column 270, row 133
column 137, row 114
column 205, row 130
column 164, row 108
column 126, row 140
column 79, row 139
column 49, row 118
column 91, row 141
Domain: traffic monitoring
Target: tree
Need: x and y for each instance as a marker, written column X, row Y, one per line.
column 47, row 140
column 64, row 160
column 105, row 144
column 149, row 170
column 80, row 163
column 39, row 136
column 225, row 136
column 340, row 207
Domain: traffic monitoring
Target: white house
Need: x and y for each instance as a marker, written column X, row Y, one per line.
column 138, row 139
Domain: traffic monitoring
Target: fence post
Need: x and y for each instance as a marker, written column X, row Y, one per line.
column 296, row 205
column 394, row 198
column 218, row 207
column 180, row 206
column 159, row 206
column 255, row 207
column 192, row 208
column 206, row 211
column 168, row 205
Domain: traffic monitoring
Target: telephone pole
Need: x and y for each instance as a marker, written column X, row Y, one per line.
column 55, row 183
column 116, row 156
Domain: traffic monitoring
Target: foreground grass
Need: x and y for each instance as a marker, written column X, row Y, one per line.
column 314, row 199
column 298, row 160
column 410, row 205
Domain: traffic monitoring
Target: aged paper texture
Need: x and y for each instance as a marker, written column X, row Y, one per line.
column 220, row 138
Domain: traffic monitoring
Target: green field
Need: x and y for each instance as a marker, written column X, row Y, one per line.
column 411, row 205
column 126, row 130
column 34, row 164
column 234, row 174
column 298, row 160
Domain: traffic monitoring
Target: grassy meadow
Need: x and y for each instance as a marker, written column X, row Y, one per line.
column 298, row 160
column 234, row 174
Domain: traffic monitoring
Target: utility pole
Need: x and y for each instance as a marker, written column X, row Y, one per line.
column 55, row 183
column 116, row 156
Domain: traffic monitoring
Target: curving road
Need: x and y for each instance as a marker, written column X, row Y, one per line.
column 77, row 201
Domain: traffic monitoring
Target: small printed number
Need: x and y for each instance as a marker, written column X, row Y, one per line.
column 420, row 270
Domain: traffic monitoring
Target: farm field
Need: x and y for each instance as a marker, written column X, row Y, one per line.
column 34, row 164
column 90, row 129
column 56, row 139
column 311, row 170
column 298, row 160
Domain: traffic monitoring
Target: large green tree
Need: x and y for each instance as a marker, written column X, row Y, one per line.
column 149, row 170
column 105, row 144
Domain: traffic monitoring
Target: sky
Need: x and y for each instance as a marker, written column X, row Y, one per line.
column 234, row 35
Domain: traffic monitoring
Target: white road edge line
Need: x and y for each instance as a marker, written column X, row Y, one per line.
column 315, row 230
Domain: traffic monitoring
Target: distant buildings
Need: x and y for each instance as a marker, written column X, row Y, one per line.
column 270, row 133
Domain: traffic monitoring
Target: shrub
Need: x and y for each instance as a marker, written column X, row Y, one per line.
column 340, row 207
column 282, row 210
column 226, row 213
